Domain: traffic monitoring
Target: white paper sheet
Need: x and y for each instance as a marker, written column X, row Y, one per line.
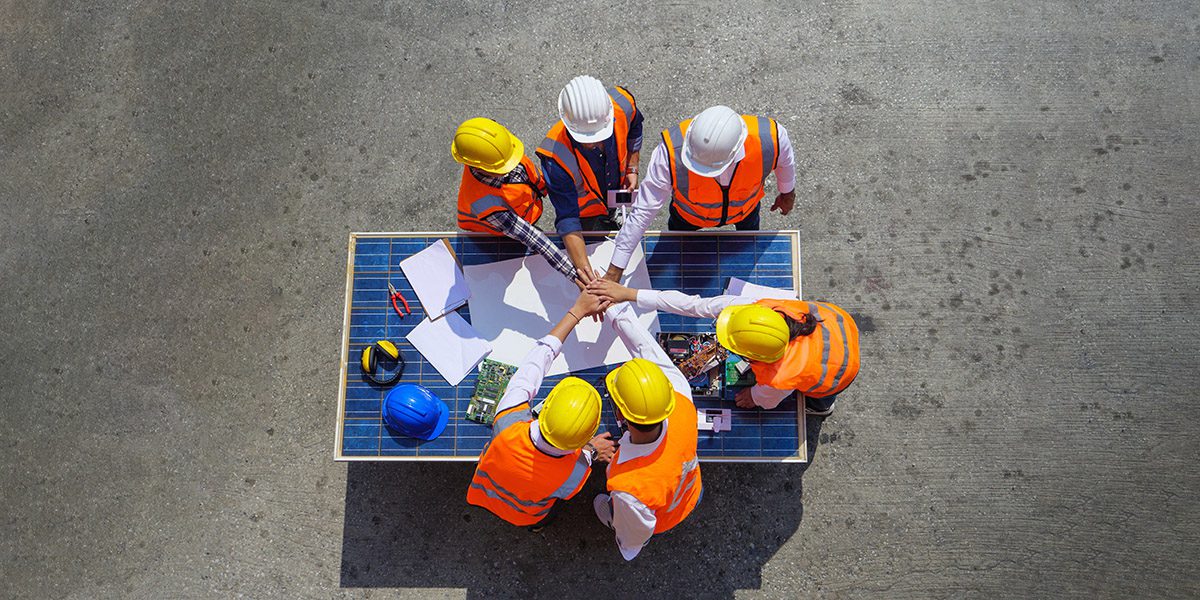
column 516, row 302
column 739, row 287
column 437, row 280
column 451, row 345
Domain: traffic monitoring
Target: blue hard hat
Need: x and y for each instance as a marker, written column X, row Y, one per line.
column 414, row 411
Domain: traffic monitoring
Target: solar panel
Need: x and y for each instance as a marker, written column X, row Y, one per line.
column 695, row 263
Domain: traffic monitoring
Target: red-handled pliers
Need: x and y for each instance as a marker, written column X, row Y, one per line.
column 394, row 294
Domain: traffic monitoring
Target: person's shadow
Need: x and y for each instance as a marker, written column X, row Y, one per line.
column 408, row 525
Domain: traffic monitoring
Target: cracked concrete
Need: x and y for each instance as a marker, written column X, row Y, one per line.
column 1004, row 193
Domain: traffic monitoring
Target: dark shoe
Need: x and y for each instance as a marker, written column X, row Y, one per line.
column 545, row 522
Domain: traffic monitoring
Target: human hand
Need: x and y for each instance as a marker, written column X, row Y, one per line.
column 584, row 273
column 587, row 304
column 605, row 447
column 614, row 273
column 611, row 291
column 744, row 399
column 784, row 202
column 630, row 180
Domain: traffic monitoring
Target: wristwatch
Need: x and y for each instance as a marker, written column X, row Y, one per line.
column 591, row 450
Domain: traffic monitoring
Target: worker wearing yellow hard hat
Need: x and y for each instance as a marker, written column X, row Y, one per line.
column 501, row 191
column 654, row 477
column 535, row 460
column 793, row 346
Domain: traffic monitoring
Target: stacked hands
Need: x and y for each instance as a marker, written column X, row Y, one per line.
column 597, row 294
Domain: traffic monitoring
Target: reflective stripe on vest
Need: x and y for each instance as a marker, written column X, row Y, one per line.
column 519, row 483
column 701, row 200
column 685, row 483
column 837, row 379
column 557, row 146
column 801, row 367
column 511, row 499
column 667, row 480
column 573, row 482
column 477, row 200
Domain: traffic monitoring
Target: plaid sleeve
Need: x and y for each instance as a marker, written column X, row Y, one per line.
column 519, row 229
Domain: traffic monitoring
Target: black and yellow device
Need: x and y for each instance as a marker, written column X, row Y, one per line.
column 385, row 354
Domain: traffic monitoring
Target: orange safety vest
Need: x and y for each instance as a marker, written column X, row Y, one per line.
column 667, row 481
column 820, row 364
column 559, row 147
column 520, row 483
column 477, row 200
column 701, row 201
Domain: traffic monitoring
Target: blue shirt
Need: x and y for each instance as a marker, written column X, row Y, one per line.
column 604, row 163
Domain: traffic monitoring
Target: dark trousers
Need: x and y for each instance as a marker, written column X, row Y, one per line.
column 599, row 223
column 819, row 404
column 676, row 223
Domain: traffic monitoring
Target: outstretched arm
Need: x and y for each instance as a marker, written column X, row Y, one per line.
column 653, row 192
column 526, row 382
column 520, row 230
column 667, row 300
column 642, row 344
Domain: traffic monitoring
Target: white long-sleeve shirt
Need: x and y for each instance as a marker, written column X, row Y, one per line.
column 523, row 388
column 654, row 191
column 707, row 308
column 632, row 520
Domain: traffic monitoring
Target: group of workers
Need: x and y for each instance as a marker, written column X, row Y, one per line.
column 712, row 169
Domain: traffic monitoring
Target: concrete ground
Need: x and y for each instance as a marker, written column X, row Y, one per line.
column 1005, row 193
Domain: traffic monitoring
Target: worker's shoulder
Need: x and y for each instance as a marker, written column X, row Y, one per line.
column 625, row 90
column 516, row 415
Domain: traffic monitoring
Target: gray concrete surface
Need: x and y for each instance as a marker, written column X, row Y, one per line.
column 1004, row 192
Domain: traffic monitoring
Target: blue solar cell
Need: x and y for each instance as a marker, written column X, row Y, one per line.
column 362, row 444
column 360, row 429
column 361, row 391
column 370, row 262
column 363, row 408
column 391, row 440
column 372, row 246
column 706, row 258
column 739, row 263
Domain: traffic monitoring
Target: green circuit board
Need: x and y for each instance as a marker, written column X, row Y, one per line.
column 489, row 388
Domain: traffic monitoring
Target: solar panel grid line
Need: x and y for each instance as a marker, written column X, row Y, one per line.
column 667, row 258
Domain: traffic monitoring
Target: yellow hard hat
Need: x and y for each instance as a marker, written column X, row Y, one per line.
column 642, row 392
column 753, row 331
column 571, row 414
column 485, row 144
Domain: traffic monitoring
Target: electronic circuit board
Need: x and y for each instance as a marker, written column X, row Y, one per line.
column 699, row 357
column 493, row 380
column 737, row 372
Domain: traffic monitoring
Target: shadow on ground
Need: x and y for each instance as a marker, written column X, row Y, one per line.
column 408, row 525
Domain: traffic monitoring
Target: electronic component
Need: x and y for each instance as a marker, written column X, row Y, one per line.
column 699, row 357
column 489, row 388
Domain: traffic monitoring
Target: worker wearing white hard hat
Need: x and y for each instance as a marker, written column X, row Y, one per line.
column 592, row 149
column 535, row 460
column 713, row 169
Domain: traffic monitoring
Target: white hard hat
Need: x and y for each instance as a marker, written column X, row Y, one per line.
column 586, row 109
column 713, row 140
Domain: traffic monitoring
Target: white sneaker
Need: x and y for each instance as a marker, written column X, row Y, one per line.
column 602, row 504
